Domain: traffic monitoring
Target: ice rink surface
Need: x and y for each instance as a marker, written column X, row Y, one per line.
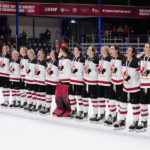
column 22, row 130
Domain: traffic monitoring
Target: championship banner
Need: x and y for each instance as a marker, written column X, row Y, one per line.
column 46, row 9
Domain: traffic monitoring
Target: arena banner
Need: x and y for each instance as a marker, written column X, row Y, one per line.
column 43, row 9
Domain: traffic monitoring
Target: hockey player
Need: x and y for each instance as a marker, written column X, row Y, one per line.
column 29, row 78
column 4, row 74
column 14, row 79
column 104, row 81
column 131, row 89
column 52, row 78
column 145, row 88
column 39, row 83
column 76, row 82
column 115, row 89
column 23, row 66
column 90, row 86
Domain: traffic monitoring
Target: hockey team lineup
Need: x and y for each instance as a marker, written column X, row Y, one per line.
column 107, row 83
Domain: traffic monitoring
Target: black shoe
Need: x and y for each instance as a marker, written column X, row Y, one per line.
column 101, row 118
column 133, row 126
column 28, row 106
column 23, row 105
column 83, row 117
column 13, row 104
column 73, row 113
column 121, row 124
column 93, row 118
column 79, row 114
column 46, row 111
column 18, row 103
column 142, row 127
column 110, row 120
column 42, row 110
column 32, row 108
column 4, row 104
column 38, row 107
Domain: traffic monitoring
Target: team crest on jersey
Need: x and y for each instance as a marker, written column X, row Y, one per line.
column 11, row 69
column 127, row 77
column 49, row 71
column 146, row 73
column 101, row 70
column 114, row 70
column 74, row 70
column 28, row 71
column 60, row 68
column 21, row 66
column 87, row 71
column 37, row 72
column 2, row 65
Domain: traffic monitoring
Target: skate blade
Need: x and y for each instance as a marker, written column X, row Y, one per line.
column 132, row 130
column 142, row 130
column 108, row 125
column 121, row 128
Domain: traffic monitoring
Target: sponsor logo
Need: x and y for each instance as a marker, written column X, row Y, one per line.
column 95, row 10
column 74, row 10
column 64, row 9
column 50, row 9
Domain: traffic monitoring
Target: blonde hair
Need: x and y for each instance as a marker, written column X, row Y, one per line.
column 31, row 51
column 7, row 48
column 16, row 52
column 106, row 49
column 24, row 48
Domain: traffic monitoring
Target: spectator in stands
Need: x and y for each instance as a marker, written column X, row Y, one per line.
column 12, row 48
column 63, row 43
column 27, row 42
column 8, row 33
column 47, row 35
column 106, row 32
column 56, row 45
column 21, row 40
column 126, row 31
column 120, row 31
column 24, row 34
column 114, row 31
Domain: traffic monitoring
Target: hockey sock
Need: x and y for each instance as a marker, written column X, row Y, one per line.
column 136, row 111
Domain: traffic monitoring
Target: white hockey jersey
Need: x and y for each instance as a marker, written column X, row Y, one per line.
column 104, row 73
column 145, row 71
column 52, row 73
column 4, row 65
column 131, row 75
column 40, row 72
column 65, row 68
column 77, row 70
column 116, row 70
column 30, row 70
column 23, row 65
column 14, row 71
column 91, row 70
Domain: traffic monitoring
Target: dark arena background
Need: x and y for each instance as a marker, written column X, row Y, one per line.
column 41, row 24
